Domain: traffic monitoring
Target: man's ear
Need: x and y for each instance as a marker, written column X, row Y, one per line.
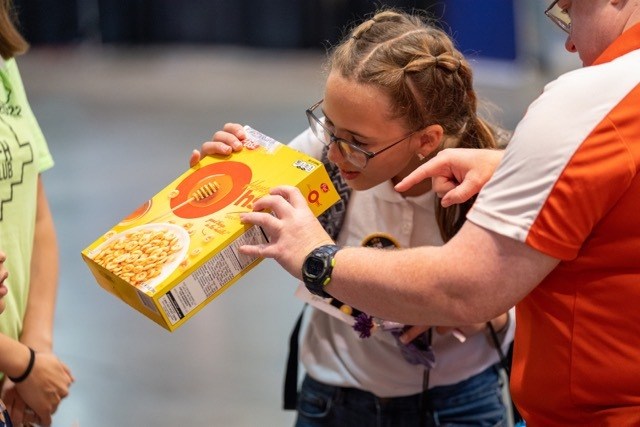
column 430, row 140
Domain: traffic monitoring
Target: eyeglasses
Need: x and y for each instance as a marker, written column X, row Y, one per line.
column 350, row 151
column 559, row 16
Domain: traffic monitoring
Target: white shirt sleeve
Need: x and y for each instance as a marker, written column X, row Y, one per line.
column 308, row 143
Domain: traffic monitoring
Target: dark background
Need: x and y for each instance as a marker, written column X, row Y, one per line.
column 483, row 28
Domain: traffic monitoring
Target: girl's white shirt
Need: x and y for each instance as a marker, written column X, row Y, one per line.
column 333, row 353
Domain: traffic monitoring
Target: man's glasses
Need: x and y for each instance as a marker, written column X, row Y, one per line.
column 559, row 16
column 350, row 151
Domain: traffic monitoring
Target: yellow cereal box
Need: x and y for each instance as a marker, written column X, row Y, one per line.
column 179, row 250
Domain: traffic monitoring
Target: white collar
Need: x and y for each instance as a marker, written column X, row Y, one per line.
column 386, row 192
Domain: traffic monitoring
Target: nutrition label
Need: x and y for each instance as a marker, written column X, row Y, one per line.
column 211, row 276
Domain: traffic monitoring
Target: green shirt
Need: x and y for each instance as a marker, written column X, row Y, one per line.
column 23, row 156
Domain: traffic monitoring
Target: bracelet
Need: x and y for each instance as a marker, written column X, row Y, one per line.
column 32, row 361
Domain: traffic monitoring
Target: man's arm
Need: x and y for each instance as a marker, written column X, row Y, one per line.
column 473, row 278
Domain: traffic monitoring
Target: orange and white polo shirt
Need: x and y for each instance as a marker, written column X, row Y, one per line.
column 569, row 187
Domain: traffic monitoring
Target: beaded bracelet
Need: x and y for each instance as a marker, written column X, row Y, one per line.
column 32, row 361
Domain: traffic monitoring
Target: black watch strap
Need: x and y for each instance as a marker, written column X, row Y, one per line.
column 317, row 269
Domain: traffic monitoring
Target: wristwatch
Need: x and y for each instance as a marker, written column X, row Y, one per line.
column 317, row 268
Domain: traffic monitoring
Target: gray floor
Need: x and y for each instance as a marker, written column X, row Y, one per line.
column 121, row 124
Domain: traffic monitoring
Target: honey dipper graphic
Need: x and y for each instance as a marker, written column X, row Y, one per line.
column 203, row 192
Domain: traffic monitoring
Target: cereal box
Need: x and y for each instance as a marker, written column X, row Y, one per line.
column 178, row 251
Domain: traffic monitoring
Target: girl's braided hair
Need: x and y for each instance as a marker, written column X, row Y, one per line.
column 427, row 79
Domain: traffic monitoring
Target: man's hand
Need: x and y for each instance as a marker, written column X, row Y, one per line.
column 457, row 173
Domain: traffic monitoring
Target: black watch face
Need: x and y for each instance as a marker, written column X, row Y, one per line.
column 315, row 267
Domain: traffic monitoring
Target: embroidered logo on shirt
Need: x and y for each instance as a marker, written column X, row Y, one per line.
column 380, row 241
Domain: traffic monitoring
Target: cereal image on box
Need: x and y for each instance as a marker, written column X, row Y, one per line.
column 179, row 250
column 144, row 255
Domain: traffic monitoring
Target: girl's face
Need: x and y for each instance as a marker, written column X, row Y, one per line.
column 360, row 114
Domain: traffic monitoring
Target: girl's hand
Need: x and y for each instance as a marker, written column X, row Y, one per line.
column 223, row 142
column 461, row 332
column 20, row 413
column 292, row 229
column 412, row 333
column 47, row 384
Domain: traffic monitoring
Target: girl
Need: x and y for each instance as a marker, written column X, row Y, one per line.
column 33, row 380
column 397, row 92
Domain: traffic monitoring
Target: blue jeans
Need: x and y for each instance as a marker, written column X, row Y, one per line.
column 476, row 401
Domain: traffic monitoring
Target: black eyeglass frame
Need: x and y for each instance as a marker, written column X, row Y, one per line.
column 565, row 25
column 368, row 155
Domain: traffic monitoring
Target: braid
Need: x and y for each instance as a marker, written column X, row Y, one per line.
column 427, row 80
column 358, row 32
column 444, row 61
column 477, row 134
